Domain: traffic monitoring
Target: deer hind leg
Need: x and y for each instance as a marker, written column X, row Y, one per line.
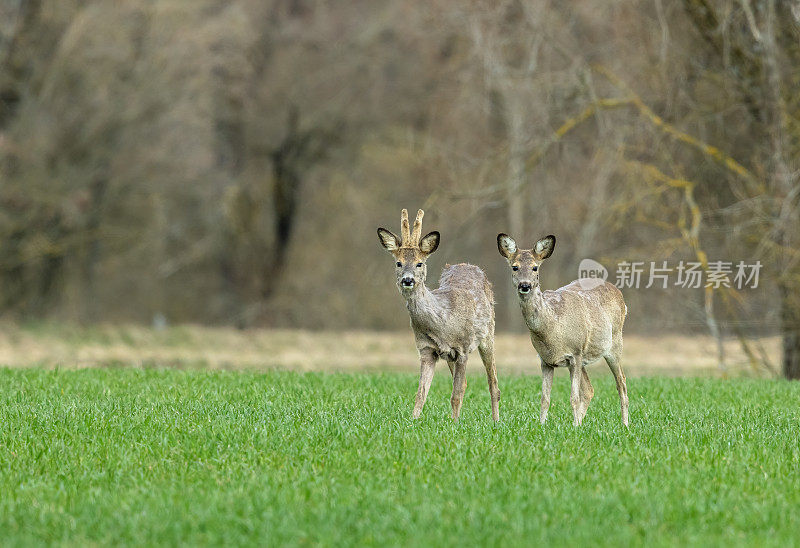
column 613, row 361
column 547, row 386
column 575, row 375
column 587, row 392
column 451, row 365
column 486, row 350
column 427, row 364
column 459, row 385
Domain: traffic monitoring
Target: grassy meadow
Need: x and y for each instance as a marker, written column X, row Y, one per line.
column 144, row 456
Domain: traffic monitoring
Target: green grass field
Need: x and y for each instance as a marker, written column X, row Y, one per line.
column 141, row 457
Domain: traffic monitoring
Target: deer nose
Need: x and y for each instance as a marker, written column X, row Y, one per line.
column 407, row 281
column 524, row 287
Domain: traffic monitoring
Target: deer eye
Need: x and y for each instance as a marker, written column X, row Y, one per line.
column 535, row 268
column 399, row 263
column 419, row 265
column 515, row 268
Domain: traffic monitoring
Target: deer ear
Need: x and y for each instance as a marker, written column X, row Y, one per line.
column 506, row 245
column 429, row 243
column 388, row 239
column 544, row 247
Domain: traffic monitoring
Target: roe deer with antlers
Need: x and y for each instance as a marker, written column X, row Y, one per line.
column 572, row 326
column 448, row 322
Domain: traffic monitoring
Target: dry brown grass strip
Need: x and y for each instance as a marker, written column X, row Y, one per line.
column 199, row 347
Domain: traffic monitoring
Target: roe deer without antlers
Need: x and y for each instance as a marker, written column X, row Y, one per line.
column 572, row 326
column 448, row 322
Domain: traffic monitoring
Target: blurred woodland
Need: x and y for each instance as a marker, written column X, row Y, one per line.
column 227, row 162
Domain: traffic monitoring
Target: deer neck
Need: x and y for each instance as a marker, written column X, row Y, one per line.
column 423, row 306
column 536, row 311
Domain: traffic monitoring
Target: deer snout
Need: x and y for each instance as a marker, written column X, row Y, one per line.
column 407, row 281
column 524, row 287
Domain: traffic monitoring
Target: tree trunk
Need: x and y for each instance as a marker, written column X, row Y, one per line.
column 790, row 327
column 783, row 180
column 97, row 191
column 286, row 166
column 514, row 110
column 13, row 67
column 790, row 314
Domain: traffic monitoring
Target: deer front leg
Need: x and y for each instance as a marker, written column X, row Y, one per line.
column 451, row 365
column 427, row 363
column 576, row 376
column 459, row 385
column 547, row 386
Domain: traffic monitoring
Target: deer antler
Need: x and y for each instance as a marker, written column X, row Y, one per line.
column 417, row 234
column 405, row 236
